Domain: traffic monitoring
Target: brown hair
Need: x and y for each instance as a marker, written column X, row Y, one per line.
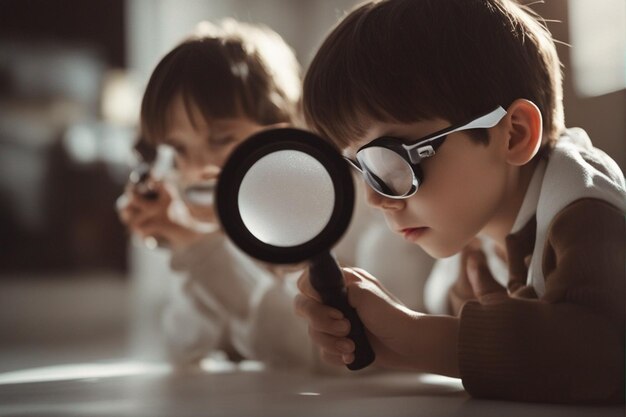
column 410, row 60
column 235, row 69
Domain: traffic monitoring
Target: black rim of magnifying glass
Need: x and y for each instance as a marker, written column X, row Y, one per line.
column 252, row 150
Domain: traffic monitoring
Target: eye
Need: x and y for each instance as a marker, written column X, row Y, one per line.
column 180, row 150
column 222, row 140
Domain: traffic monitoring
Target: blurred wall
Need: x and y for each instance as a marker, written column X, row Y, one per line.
column 57, row 179
column 63, row 142
column 603, row 116
column 153, row 27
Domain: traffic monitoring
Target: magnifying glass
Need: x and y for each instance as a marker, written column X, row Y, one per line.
column 285, row 196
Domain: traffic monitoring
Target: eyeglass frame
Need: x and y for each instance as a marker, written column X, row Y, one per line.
column 414, row 151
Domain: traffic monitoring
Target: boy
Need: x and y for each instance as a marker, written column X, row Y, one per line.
column 220, row 85
column 452, row 112
column 205, row 96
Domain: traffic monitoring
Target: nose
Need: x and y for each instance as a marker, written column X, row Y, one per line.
column 209, row 172
column 206, row 165
column 209, row 159
column 381, row 202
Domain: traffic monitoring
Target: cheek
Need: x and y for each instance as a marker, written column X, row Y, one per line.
column 201, row 213
column 218, row 158
column 459, row 197
column 181, row 164
column 473, row 187
column 186, row 167
column 190, row 170
column 222, row 154
column 218, row 155
column 470, row 177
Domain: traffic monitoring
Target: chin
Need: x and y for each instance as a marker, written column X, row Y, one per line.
column 440, row 250
column 202, row 214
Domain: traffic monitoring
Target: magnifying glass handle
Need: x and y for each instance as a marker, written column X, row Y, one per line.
column 327, row 279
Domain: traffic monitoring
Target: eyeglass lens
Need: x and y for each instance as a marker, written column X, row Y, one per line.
column 386, row 171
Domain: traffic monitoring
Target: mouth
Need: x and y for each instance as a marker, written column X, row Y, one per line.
column 414, row 233
column 201, row 193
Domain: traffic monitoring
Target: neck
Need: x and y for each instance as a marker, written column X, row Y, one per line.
column 502, row 223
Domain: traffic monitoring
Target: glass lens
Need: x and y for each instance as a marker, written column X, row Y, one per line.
column 386, row 171
column 286, row 198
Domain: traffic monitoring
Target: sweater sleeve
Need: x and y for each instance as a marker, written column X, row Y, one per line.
column 241, row 305
column 193, row 325
column 190, row 331
column 567, row 346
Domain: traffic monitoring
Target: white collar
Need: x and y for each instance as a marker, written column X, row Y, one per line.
column 531, row 198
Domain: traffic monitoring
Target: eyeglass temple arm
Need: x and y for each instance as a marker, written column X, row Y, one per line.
column 353, row 164
column 488, row 120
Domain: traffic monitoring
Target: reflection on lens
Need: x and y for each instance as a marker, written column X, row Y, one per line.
column 286, row 198
column 388, row 172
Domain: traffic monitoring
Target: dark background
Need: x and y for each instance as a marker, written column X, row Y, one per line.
column 76, row 227
column 56, row 209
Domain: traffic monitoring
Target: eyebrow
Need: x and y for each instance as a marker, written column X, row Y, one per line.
column 223, row 131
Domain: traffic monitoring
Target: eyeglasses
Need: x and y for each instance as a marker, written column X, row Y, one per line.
column 392, row 167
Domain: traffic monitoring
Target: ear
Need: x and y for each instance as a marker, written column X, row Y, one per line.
column 524, row 133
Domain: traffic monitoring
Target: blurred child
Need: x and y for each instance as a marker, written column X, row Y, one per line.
column 452, row 111
column 204, row 97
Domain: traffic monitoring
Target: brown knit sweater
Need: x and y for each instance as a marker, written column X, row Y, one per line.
column 567, row 346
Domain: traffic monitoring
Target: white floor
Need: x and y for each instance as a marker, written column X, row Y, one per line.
column 62, row 319
column 66, row 350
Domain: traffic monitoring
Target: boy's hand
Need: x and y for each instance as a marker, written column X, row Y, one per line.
column 475, row 281
column 486, row 289
column 388, row 322
column 151, row 217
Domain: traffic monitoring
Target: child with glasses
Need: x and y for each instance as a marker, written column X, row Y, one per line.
column 207, row 95
column 452, row 112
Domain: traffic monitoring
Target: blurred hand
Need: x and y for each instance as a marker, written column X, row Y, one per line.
column 390, row 325
column 153, row 218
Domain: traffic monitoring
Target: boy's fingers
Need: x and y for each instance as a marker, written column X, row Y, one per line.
column 128, row 202
column 121, row 202
column 363, row 279
column 358, row 272
column 153, row 228
column 143, row 203
column 351, row 275
column 129, row 216
column 482, row 281
column 136, row 210
column 347, row 358
column 305, row 287
column 143, row 220
column 126, row 214
column 331, row 358
column 336, row 345
column 321, row 317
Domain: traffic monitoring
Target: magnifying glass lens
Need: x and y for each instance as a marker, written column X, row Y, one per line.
column 286, row 198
